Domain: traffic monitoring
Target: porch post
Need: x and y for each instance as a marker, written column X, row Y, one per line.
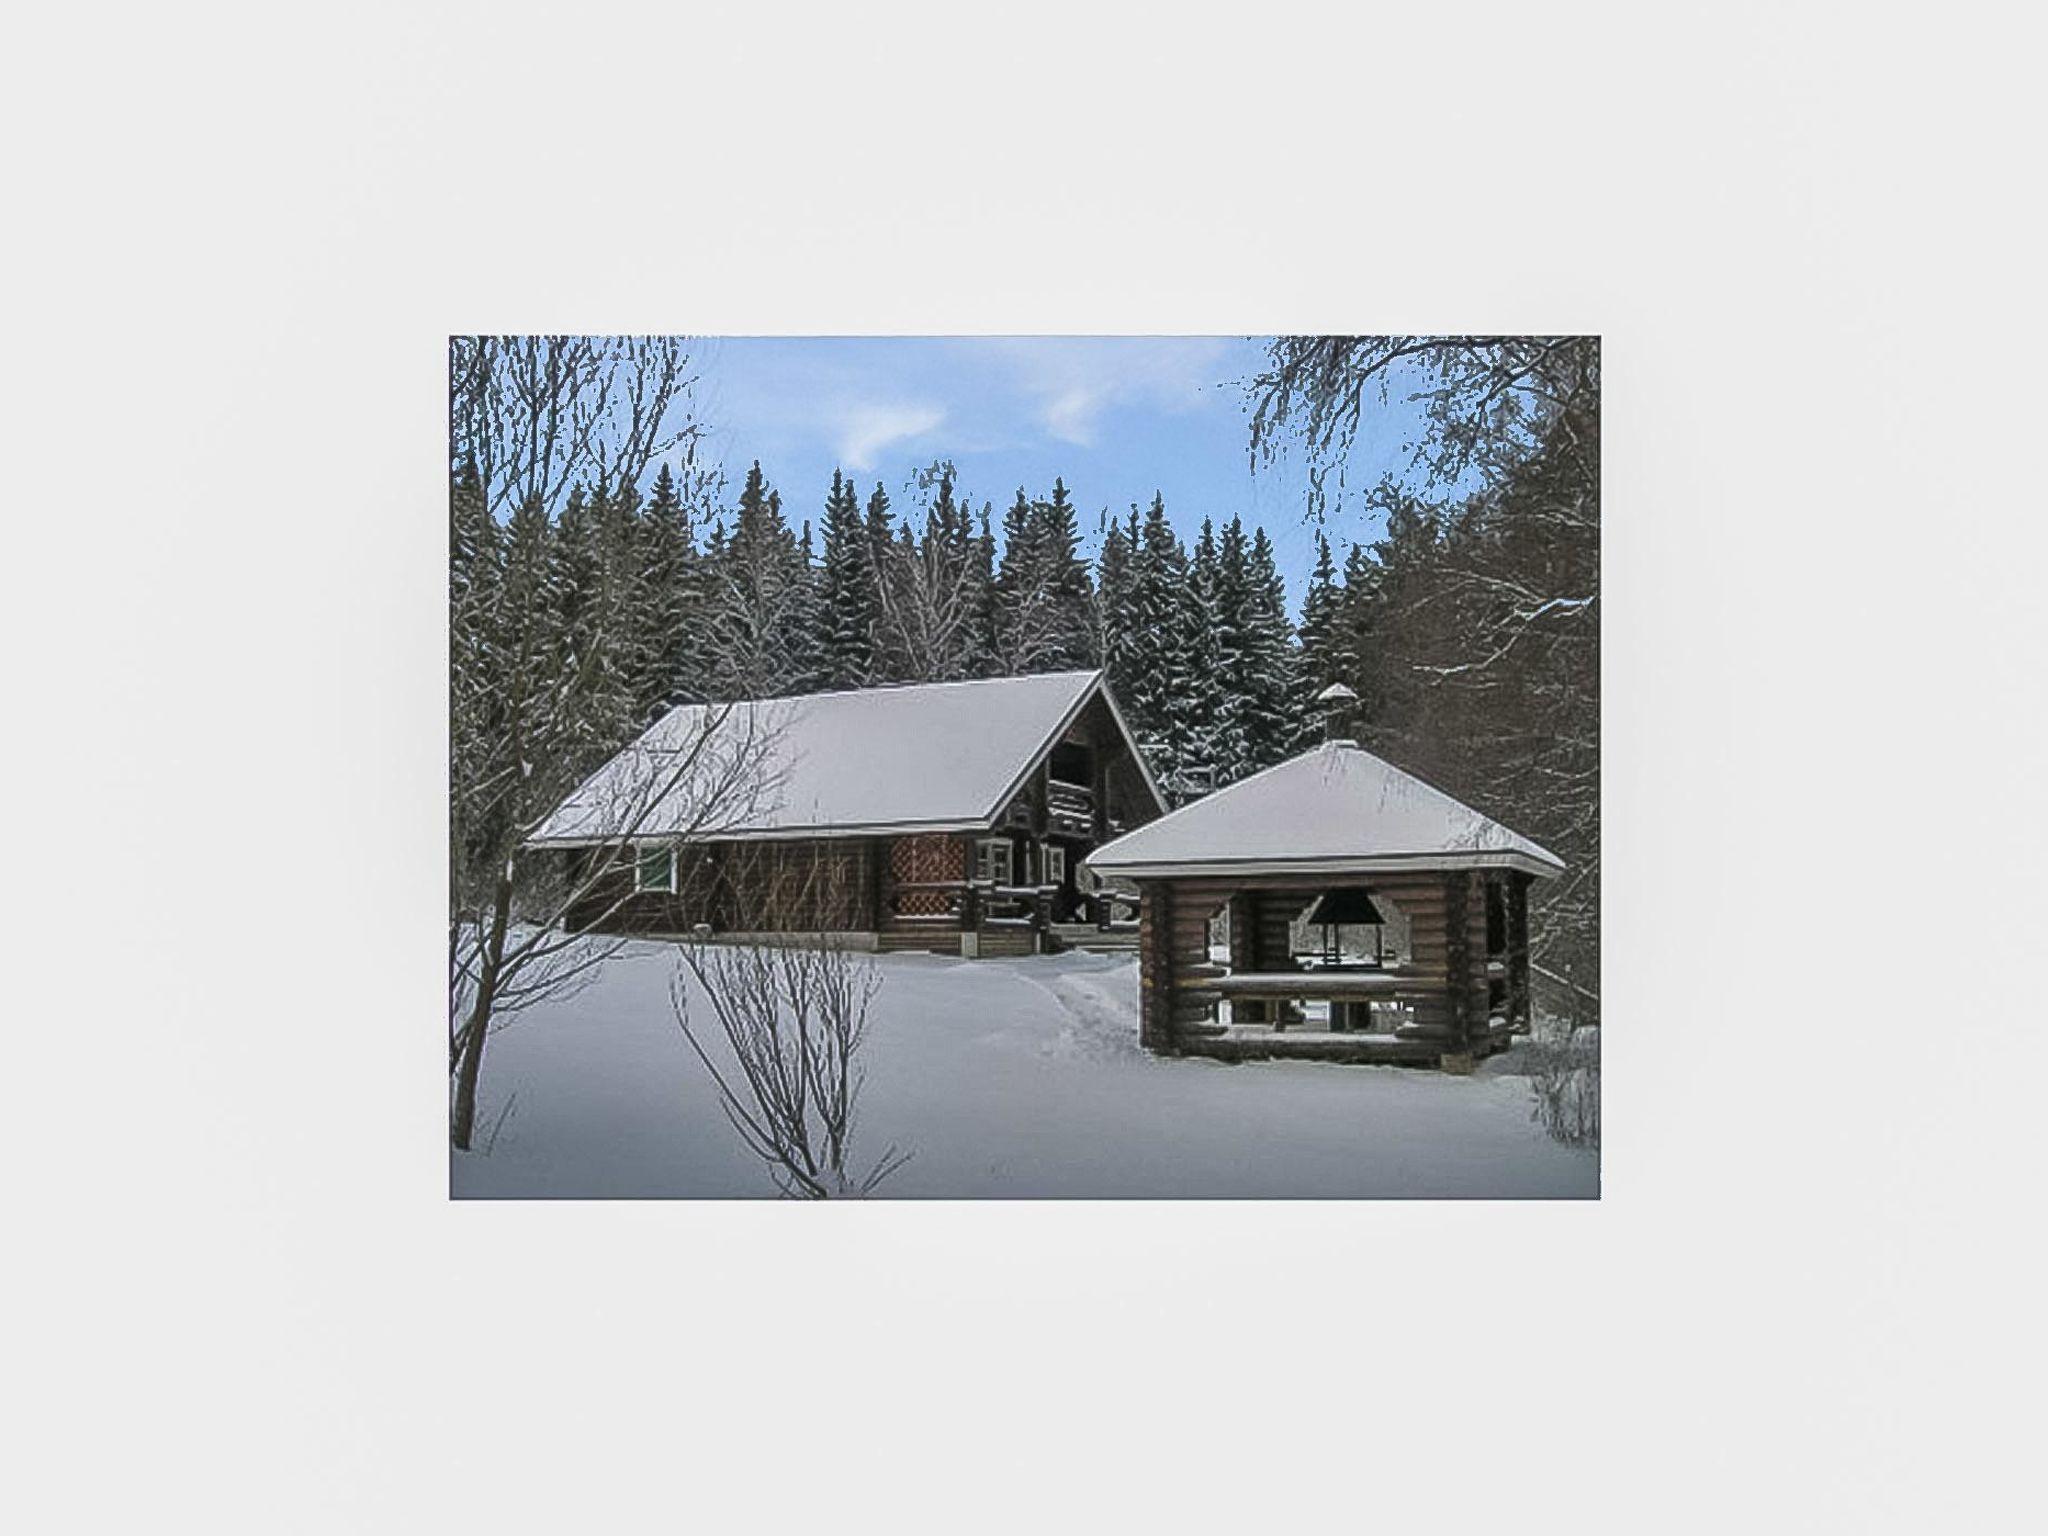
column 1242, row 917
column 1518, row 952
column 1458, row 954
column 879, row 879
column 1155, row 965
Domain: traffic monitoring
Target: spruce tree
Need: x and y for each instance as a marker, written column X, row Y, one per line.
column 1359, row 614
column 984, row 655
column 1070, row 599
column 1163, row 697
column 1319, row 663
column 1113, row 601
column 669, row 643
column 846, row 592
column 757, row 600
column 592, row 587
column 1270, row 662
column 805, row 623
column 1205, row 702
column 1020, row 589
column 1227, row 602
column 886, row 579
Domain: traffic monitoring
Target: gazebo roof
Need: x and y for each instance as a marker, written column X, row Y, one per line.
column 1335, row 809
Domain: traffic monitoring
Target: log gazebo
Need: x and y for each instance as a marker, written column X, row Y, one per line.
column 1433, row 968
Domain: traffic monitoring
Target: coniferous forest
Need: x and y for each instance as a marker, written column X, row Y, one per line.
column 659, row 595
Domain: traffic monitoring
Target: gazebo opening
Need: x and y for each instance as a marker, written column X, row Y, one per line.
column 1347, row 907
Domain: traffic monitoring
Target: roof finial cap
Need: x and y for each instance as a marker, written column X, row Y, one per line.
column 1337, row 703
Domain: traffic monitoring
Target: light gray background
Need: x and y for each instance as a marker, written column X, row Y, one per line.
column 241, row 1299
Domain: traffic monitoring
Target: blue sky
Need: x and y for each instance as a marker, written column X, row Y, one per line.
column 1118, row 417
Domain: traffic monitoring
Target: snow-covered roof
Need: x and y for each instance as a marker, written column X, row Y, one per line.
column 1335, row 809
column 927, row 757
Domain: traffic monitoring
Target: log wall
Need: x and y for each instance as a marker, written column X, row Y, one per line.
column 812, row 886
column 1447, row 935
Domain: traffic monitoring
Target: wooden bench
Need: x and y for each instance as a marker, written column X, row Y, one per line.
column 1343, row 990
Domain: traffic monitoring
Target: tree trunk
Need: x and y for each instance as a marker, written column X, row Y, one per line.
column 469, row 1067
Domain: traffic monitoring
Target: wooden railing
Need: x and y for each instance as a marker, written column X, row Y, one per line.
column 1107, row 908
column 953, row 894
column 973, row 903
column 1070, row 808
column 979, row 903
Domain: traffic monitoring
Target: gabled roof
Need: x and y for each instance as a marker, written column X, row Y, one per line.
column 1335, row 809
column 926, row 757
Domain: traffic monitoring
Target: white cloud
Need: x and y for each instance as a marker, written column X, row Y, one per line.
column 866, row 430
column 1072, row 380
column 1070, row 416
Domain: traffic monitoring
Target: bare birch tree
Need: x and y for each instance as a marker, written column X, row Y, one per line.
column 536, row 415
column 530, row 419
column 677, row 787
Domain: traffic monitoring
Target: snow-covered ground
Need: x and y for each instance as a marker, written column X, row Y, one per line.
column 1008, row 1079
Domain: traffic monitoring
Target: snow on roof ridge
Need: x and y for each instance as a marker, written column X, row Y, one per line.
column 840, row 693
column 902, row 757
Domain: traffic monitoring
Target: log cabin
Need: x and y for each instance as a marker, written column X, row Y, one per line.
column 1246, row 897
column 952, row 817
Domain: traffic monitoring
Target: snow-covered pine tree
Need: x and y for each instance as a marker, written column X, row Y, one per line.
column 846, row 591
column 984, row 649
column 1165, row 699
column 1070, row 598
column 1360, row 613
column 754, row 600
column 1208, row 672
column 808, row 670
column 668, row 609
column 1270, row 660
column 1319, row 662
column 593, row 588
column 1113, row 600
column 1225, row 596
column 1020, row 590
column 1045, row 602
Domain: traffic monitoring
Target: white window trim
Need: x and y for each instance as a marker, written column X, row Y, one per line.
column 1055, row 854
column 984, row 854
column 640, row 885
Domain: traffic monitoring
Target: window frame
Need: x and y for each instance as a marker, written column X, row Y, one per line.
column 986, row 846
column 641, row 851
column 1054, row 852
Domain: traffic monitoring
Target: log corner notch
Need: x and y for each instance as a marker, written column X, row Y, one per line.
column 1156, row 979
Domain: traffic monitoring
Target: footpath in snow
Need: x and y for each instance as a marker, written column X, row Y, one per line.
column 1008, row 1079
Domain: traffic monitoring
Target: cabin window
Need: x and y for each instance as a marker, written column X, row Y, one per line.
column 654, row 868
column 1055, row 864
column 992, row 860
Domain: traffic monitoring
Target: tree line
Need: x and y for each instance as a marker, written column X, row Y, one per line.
column 647, row 600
